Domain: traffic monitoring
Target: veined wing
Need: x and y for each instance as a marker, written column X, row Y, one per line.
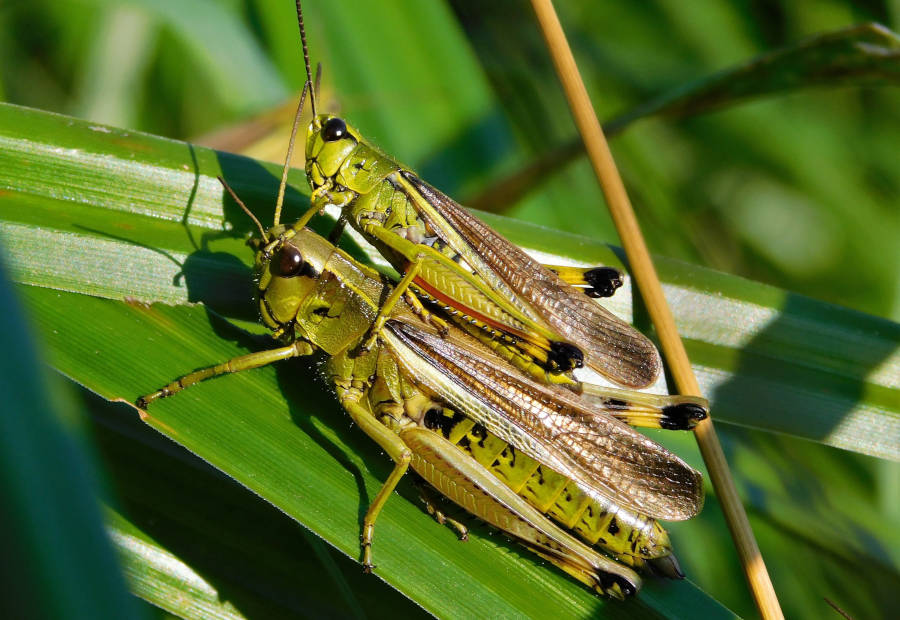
column 574, row 437
column 441, row 279
column 610, row 346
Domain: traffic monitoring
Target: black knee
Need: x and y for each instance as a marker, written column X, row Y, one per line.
column 603, row 281
column 682, row 417
column 564, row 356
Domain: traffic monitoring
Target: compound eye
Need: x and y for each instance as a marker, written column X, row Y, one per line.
column 334, row 129
column 290, row 263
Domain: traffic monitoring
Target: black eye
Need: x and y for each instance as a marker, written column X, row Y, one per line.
column 290, row 263
column 334, row 129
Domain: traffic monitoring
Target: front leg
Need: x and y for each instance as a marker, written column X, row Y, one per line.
column 388, row 306
column 323, row 196
column 237, row 364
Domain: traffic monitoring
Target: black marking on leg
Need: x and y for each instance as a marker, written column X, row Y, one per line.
column 616, row 404
column 628, row 588
column 564, row 356
column 608, row 580
column 682, row 417
column 676, row 567
column 603, row 281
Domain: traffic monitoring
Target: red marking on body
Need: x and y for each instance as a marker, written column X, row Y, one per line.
column 455, row 303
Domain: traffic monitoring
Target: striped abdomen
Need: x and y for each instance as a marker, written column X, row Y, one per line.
column 629, row 537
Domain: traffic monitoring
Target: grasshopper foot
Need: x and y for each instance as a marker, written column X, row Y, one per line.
column 366, row 543
column 438, row 323
column 441, row 325
column 462, row 532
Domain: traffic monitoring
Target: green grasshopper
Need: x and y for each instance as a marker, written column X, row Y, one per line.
column 514, row 451
column 449, row 257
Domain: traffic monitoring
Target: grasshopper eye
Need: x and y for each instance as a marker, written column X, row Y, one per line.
column 290, row 263
column 334, row 129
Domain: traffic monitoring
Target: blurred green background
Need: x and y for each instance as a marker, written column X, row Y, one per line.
column 798, row 189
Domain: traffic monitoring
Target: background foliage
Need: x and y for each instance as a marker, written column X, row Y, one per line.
column 798, row 190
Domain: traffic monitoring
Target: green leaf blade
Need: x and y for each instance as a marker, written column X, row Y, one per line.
column 254, row 427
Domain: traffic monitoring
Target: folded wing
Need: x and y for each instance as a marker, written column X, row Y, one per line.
column 573, row 436
column 610, row 346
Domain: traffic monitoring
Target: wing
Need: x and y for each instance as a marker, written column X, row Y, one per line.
column 610, row 346
column 574, row 437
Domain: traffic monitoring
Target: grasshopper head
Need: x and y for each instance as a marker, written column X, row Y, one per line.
column 286, row 276
column 329, row 142
column 303, row 293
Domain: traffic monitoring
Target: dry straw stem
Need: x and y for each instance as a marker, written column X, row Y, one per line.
column 648, row 284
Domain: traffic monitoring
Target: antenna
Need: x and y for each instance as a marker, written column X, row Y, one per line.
column 290, row 154
column 309, row 80
column 318, row 80
column 307, row 87
column 241, row 204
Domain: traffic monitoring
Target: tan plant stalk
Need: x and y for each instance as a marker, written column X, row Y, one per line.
column 644, row 274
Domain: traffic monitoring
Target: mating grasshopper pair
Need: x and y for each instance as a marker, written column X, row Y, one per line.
column 441, row 389
column 510, row 449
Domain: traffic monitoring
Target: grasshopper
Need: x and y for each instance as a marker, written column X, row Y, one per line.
column 450, row 257
column 559, row 471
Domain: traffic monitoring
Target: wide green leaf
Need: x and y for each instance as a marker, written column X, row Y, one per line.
column 767, row 358
column 798, row 191
column 198, row 545
column 82, row 236
column 276, row 430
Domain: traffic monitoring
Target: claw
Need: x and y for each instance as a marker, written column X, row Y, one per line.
column 442, row 326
